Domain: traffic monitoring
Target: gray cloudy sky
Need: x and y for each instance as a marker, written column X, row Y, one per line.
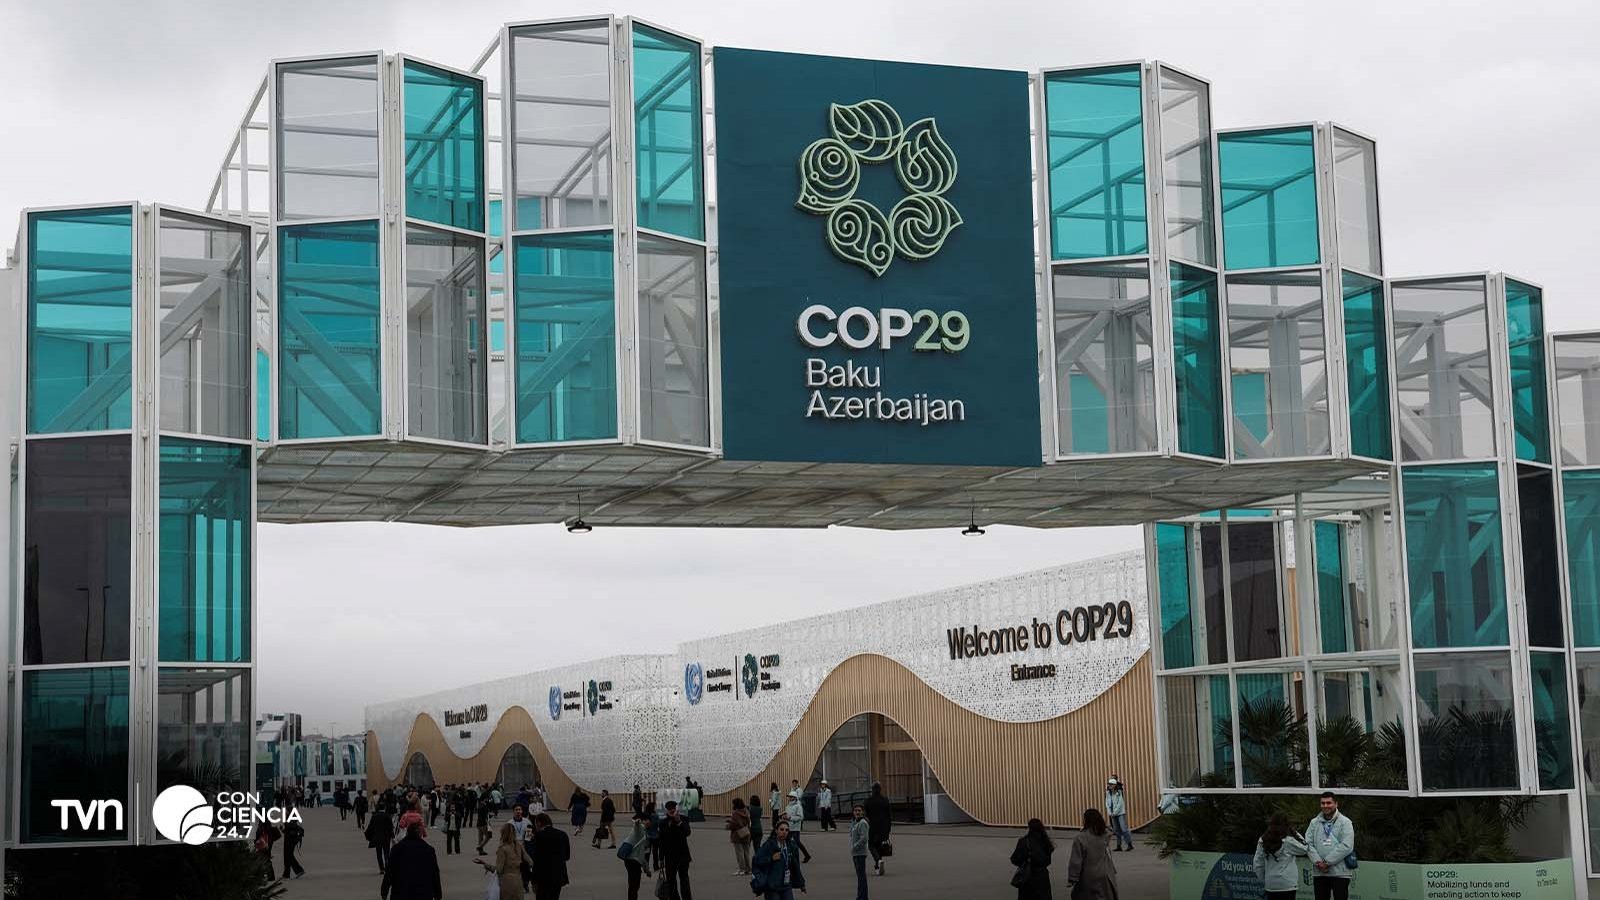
column 1487, row 116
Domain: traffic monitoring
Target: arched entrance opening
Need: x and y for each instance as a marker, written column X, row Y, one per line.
column 418, row 773
column 874, row 748
column 517, row 769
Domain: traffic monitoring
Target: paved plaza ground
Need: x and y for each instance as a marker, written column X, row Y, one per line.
column 930, row 861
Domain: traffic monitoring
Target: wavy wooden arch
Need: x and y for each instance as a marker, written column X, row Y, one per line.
column 1000, row 773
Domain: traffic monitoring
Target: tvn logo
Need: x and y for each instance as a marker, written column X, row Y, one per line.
column 181, row 814
column 92, row 816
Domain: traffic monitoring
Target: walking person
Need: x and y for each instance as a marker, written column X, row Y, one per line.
column 341, row 800
column 1091, row 873
column 637, row 801
column 775, row 802
column 580, row 810
column 608, row 819
column 877, row 809
column 510, row 860
column 1274, row 862
column 858, row 848
column 481, row 811
column 638, row 854
column 755, row 822
column 1032, row 859
column 293, row 834
column 267, row 834
column 551, row 850
column 797, row 806
column 675, row 858
column 652, row 838
column 360, row 807
column 413, row 872
column 1117, row 812
column 1330, row 842
column 794, row 837
column 452, row 829
column 380, row 834
column 777, row 867
column 825, row 807
column 738, row 826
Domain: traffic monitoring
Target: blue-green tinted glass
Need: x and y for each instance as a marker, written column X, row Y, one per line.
column 495, row 217
column 1581, row 497
column 564, row 309
column 1269, row 198
column 1529, row 402
column 74, row 746
column 1177, row 624
column 1367, row 367
column 80, row 320
column 1096, row 147
column 1197, row 359
column 1552, row 727
column 1270, row 755
column 1105, row 402
column 328, row 331
column 1466, row 727
column 497, row 336
column 444, row 147
column 263, row 396
column 667, row 123
column 1454, row 556
column 205, row 551
column 1329, row 537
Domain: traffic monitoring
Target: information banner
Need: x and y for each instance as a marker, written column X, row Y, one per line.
column 1213, row 876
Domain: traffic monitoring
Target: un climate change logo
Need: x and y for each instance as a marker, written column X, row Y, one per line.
column 182, row 813
column 694, row 683
column 869, row 133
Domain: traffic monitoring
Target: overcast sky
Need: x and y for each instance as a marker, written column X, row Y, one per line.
column 1487, row 117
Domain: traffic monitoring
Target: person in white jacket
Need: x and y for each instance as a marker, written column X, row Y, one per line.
column 1330, row 841
column 1117, row 812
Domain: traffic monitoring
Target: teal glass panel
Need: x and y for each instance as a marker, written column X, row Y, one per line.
column 1466, row 727
column 1096, row 148
column 1367, row 367
column 80, row 320
column 497, row 336
column 1329, row 544
column 1172, row 571
column 1250, row 404
column 74, row 746
column 1272, row 733
column 495, row 217
column 329, row 327
column 1269, row 198
column 1541, row 563
column 1581, row 499
column 1199, row 730
column 1454, row 556
column 564, row 310
column 263, row 396
column 1197, row 358
column 443, row 147
column 1552, row 722
column 1530, row 410
column 205, row 551
column 667, row 124
column 1221, row 727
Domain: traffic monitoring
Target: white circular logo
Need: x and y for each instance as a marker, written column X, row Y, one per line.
column 181, row 813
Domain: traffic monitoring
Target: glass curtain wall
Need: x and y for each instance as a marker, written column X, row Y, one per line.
column 1358, row 254
column 1575, row 364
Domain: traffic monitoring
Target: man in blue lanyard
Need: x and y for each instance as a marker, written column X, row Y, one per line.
column 1331, row 841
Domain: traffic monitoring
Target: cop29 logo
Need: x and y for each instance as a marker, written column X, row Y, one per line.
column 593, row 696
column 555, row 702
column 694, row 683
column 869, row 133
column 750, row 673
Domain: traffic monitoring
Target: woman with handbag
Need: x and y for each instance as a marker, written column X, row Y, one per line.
column 738, row 826
column 509, row 858
column 1032, row 859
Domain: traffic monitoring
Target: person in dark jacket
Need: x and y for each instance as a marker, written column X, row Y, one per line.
column 579, row 805
column 877, row 810
column 776, row 867
column 755, row 822
column 380, row 834
column 360, row 806
column 413, row 872
column 267, row 834
column 551, row 850
column 293, row 834
column 638, row 800
column 608, row 821
column 675, row 859
column 1033, row 850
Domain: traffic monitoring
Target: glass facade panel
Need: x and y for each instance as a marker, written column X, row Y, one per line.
column 1361, row 737
column 1198, row 721
column 1197, row 360
column 1577, row 365
column 1105, row 359
column 80, row 320
column 1178, row 625
column 1213, row 599
column 1581, row 499
column 263, row 396
column 1186, row 155
column 447, row 360
column 562, row 123
column 1273, row 745
column 1455, row 556
column 203, row 719
column 74, row 746
column 1530, row 404
column 1355, row 193
column 667, row 121
column 206, row 327
column 1269, row 198
column 1466, row 728
column 1277, row 353
column 1372, row 569
column 327, row 120
column 674, row 397
column 1366, row 350
column 1588, row 685
column 1253, row 590
column 443, row 147
column 77, row 539
column 1442, row 367
column 329, row 328
column 1095, row 120
column 1552, row 725
column 1541, row 563
column 1333, row 622
column 205, row 551
column 565, row 312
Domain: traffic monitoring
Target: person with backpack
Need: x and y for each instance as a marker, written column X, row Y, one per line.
column 293, row 834
column 776, row 873
column 380, row 834
column 1032, row 859
column 1274, row 861
column 635, row 854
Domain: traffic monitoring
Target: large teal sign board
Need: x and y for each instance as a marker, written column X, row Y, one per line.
column 876, row 261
